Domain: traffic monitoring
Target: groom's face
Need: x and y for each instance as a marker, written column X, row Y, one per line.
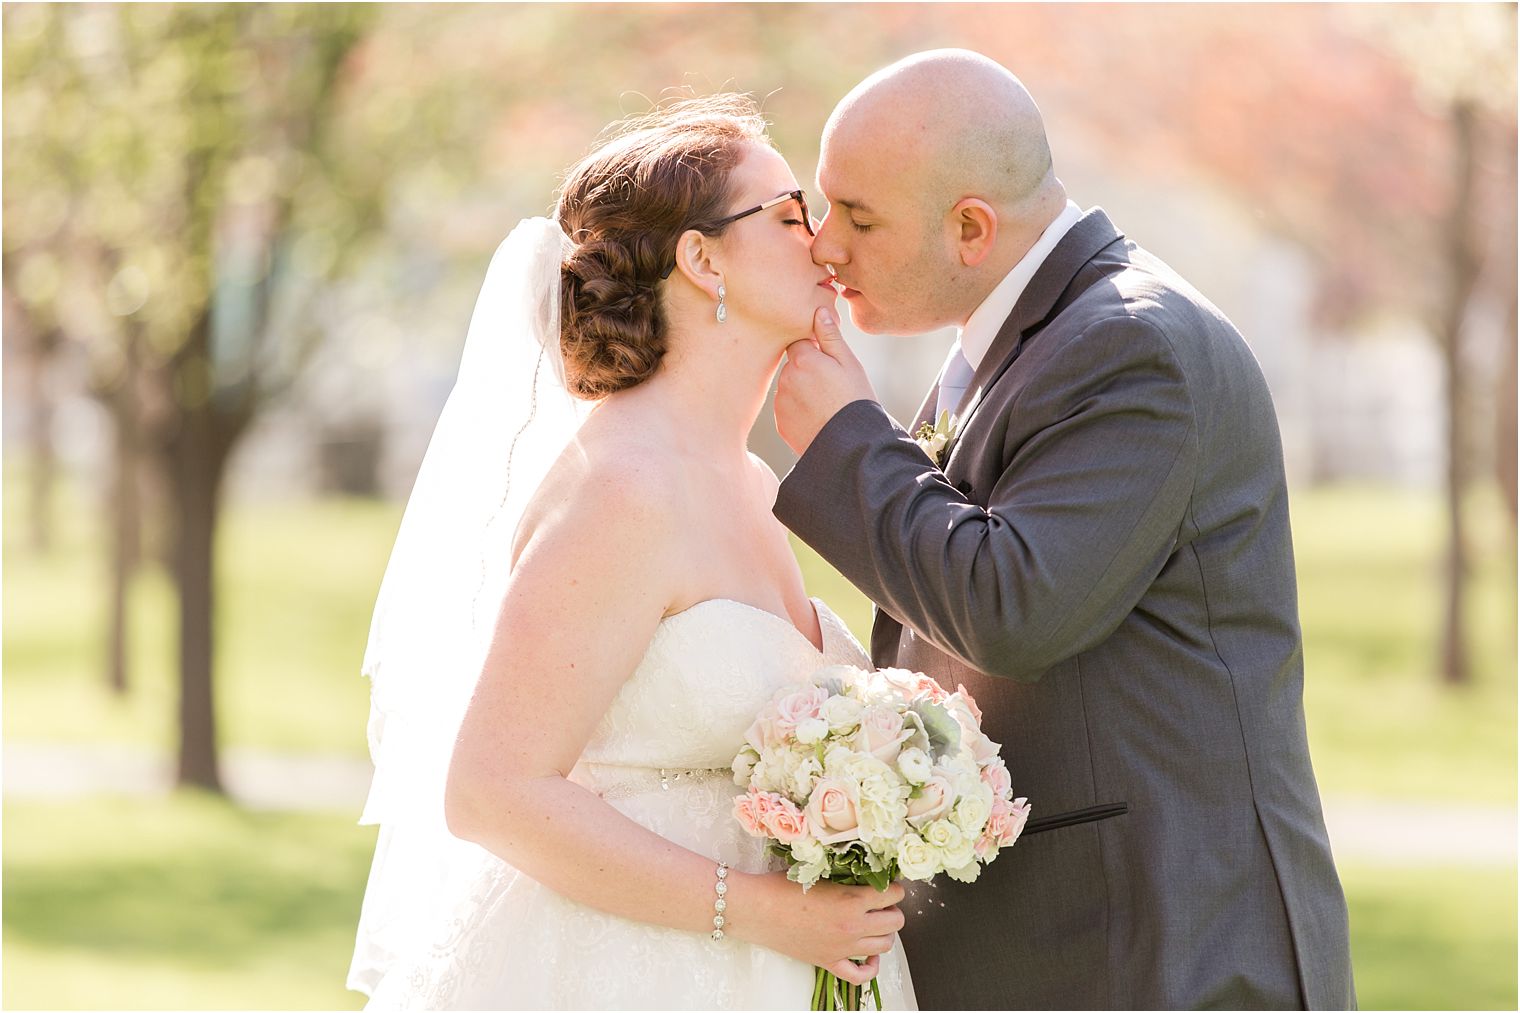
column 885, row 245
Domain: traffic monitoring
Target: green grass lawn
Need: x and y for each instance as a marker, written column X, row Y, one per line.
column 187, row 902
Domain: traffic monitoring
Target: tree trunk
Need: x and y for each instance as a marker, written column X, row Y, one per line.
column 1463, row 266
column 43, row 459
column 1506, row 446
column 125, row 513
column 195, row 480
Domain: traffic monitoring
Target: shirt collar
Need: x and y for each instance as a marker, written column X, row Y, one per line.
column 984, row 323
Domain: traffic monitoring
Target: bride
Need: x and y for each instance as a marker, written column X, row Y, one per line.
column 588, row 602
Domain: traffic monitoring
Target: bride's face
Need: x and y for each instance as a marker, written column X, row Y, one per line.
column 768, row 270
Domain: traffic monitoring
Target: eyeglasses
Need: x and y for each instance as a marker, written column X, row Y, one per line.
column 796, row 195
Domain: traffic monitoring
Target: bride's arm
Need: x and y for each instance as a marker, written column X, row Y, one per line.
column 587, row 592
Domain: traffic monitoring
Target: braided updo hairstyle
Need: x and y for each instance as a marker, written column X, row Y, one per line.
column 624, row 206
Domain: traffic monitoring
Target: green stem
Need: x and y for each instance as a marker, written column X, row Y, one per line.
column 818, row 974
column 876, row 993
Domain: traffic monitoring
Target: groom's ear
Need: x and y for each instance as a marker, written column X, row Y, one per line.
column 977, row 224
column 694, row 258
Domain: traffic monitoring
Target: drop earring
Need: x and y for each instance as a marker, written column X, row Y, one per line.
column 722, row 309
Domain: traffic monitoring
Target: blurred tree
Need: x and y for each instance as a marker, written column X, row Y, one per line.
column 1380, row 137
column 46, row 261
column 1462, row 59
column 187, row 151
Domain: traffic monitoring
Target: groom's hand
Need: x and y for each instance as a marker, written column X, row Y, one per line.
column 820, row 377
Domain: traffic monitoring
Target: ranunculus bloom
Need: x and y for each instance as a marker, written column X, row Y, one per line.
column 915, row 765
column 832, row 811
column 811, row 730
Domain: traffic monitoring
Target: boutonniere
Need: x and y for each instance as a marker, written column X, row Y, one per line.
column 932, row 437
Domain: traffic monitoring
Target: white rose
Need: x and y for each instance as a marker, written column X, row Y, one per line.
column 973, row 807
column 811, row 730
column 842, row 713
column 955, row 848
column 915, row 766
column 941, row 834
column 916, row 859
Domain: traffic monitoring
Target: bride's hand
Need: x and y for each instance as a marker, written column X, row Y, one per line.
column 824, row 926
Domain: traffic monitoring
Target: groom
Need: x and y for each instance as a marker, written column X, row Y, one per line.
column 1102, row 558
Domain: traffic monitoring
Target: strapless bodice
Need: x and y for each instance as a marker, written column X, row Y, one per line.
column 706, row 673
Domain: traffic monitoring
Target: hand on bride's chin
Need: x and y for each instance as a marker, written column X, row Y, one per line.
column 823, row 926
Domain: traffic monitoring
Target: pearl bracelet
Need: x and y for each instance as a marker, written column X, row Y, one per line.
column 720, row 903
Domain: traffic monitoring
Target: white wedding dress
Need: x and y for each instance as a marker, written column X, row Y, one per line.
column 661, row 756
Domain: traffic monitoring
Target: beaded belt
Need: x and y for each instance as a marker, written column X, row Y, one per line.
column 646, row 779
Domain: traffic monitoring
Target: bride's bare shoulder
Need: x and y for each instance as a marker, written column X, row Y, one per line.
column 606, row 485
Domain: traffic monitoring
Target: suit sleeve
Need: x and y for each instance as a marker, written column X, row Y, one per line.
column 1099, row 452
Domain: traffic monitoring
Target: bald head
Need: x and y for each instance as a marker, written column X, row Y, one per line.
column 959, row 122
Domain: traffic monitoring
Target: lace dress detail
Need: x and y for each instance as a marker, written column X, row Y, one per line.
column 661, row 756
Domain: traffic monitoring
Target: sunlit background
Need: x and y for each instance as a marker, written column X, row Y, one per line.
column 241, row 246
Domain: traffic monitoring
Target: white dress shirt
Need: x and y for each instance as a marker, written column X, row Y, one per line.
column 975, row 338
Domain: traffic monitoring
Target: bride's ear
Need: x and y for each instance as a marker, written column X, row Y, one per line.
column 695, row 258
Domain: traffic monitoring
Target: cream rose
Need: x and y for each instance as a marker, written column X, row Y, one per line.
column 916, row 859
column 933, row 800
column 955, row 847
column 973, row 807
column 881, row 733
column 798, row 706
column 832, row 812
column 842, row 714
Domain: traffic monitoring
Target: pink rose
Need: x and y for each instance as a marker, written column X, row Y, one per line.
column 995, row 776
column 931, row 689
column 914, row 684
column 785, row 821
column 882, row 733
column 1007, row 820
column 831, row 812
column 970, row 702
column 762, row 732
column 933, row 801
column 747, row 812
column 795, row 708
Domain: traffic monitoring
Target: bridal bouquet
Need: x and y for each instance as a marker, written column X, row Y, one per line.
column 865, row 777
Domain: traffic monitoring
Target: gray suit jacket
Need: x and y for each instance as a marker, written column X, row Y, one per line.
column 1105, row 563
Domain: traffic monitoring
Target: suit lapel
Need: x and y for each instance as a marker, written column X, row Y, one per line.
column 1091, row 234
